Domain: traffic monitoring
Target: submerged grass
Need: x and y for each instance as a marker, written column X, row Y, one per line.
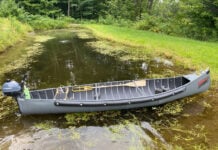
column 191, row 53
column 11, row 32
column 46, row 125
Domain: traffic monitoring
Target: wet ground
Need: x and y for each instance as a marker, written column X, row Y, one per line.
column 73, row 57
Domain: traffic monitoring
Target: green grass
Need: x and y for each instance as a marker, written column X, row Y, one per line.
column 11, row 32
column 190, row 53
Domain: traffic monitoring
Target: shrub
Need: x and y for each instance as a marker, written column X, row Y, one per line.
column 110, row 20
column 9, row 8
column 44, row 23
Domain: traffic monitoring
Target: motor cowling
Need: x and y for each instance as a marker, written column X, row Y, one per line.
column 11, row 88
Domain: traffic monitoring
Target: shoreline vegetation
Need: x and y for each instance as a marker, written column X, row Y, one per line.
column 12, row 31
column 190, row 53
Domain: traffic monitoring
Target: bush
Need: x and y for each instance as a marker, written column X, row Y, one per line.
column 148, row 23
column 8, row 8
column 110, row 20
column 44, row 23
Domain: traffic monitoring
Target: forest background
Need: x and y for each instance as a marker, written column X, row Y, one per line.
column 196, row 19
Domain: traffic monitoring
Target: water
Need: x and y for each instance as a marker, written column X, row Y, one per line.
column 68, row 60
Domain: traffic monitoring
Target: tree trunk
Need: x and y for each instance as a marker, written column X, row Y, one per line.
column 138, row 9
column 68, row 8
column 150, row 4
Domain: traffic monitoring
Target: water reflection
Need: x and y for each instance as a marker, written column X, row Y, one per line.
column 120, row 136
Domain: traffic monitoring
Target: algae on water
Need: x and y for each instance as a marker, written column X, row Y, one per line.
column 43, row 38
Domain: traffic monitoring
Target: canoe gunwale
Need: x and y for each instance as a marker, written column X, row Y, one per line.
column 120, row 101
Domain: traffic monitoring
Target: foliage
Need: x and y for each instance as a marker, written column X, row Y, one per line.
column 187, row 18
column 43, row 23
column 9, row 8
column 13, row 30
column 110, row 20
column 41, row 7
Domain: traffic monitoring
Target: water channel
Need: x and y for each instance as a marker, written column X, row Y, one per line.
column 68, row 59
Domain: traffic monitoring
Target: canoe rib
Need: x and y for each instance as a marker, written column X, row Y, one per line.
column 120, row 102
column 111, row 90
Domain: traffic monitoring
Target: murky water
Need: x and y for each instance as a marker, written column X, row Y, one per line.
column 68, row 60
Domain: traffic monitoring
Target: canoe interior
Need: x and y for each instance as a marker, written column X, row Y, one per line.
column 116, row 90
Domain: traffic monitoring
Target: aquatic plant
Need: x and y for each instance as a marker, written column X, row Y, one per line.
column 46, row 125
column 92, row 117
column 7, row 106
column 188, row 137
column 75, row 135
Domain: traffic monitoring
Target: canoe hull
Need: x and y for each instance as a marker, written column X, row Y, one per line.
column 197, row 84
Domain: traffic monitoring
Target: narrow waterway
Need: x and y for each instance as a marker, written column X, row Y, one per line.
column 68, row 59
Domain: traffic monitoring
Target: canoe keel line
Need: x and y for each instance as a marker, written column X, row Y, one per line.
column 104, row 96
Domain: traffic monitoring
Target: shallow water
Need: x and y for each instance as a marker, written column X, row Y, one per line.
column 67, row 59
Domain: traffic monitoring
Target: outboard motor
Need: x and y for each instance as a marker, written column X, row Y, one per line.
column 11, row 88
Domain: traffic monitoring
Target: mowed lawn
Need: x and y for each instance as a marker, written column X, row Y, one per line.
column 190, row 53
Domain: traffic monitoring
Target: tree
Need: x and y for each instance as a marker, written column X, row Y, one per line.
column 41, row 7
column 68, row 7
column 9, row 8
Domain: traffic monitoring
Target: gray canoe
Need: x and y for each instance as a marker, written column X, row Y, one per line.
column 115, row 95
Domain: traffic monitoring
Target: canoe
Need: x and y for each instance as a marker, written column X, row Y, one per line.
column 116, row 95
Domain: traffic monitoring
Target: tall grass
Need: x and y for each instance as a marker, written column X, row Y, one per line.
column 45, row 23
column 191, row 53
column 11, row 32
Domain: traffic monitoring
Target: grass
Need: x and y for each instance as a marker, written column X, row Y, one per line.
column 40, row 23
column 11, row 32
column 191, row 53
